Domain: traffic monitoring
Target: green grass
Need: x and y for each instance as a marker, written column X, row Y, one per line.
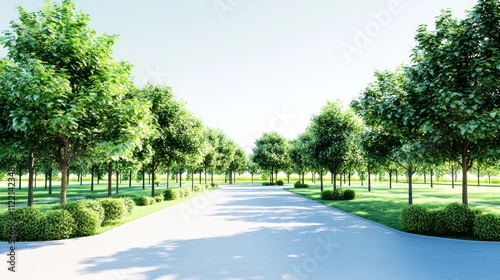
column 383, row 205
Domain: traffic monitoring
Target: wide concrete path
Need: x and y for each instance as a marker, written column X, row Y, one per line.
column 254, row 233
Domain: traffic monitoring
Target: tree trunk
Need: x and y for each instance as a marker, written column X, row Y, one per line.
column 212, row 177
column 410, row 187
column 478, row 175
column 180, row 180
column 432, row 182
column 31, row 168
column 425, row 177
column 303, row 178
column 397, row 176
column 143, row 178
column 63, row 168
column 390, row 179
column 369, row 179
column 152, row 176
column 168, row 179
column 20, row 175
column 200, row 177
column 252, row 177
column 45, row 178
column 334, row 174
column 452, row 176
column 192, row 180
column 205, row 177
column 50, row 181
column 465, row 168
column 92, row 178
column 321, row 180
column 110, row 178
column 130, row 179
column 117, row 175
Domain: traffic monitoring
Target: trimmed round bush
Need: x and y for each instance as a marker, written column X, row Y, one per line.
column 95, row 205
column 299, row 185
column 214, row 184
column 169, row 194
column 129, row 205
column 59, row 224
column 151, row 200
column 439, row 219
column 143, row 201
column 349, row 194
column 5, row 226
column 29, row 224
column 114, row 208
column 269, row 184
column 416, row 219
column 338, row 194
column 87, row 221
column 327, row 195
column 159, row 198
column 459, row 219
column 199, row 188
column 185, row 192
column 279, row 183
column 487, row 227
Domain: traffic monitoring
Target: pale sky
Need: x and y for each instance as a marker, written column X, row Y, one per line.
column 248, row 66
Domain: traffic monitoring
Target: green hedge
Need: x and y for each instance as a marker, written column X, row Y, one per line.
column 338, row 194
column 28, row 222
column 299, row 185
column 349, row 194
column 59, row 224
column 114, row 208
column 487, row 227
column 96, row 206
column 144, row 201
column 170, row 194
column 129, row 205
column 459, row 220
column 279, row 183
column 416, row 219
column 327, row 195
column 159, row 198
column 87, row 220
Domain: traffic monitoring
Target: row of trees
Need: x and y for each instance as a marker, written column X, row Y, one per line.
column 442, row 108
column 66, row 102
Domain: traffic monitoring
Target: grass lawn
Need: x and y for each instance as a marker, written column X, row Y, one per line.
column 383, row 205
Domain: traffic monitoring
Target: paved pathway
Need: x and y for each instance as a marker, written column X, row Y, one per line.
column 254, row 233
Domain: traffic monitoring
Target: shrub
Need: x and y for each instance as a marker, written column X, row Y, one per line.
column 5, row 226
column 129, row 205
column 159, row 198
column 207, row 186
column 269, row 184
column 170, row 194
column 151, row 200
column 338, row 194
column 349, row 194
column 327, row 195
column 214, row 184
column 416, row 219
column 299, row 185
column 184, row 192
column 59, row 224
column 459, row 219
column 487, row 227
column 87, row 221
column 199, row 188
column 29, row 223
column 94, row 205
column 279, row 183
column 439, row 219
column 114, row 208
column 143, row 201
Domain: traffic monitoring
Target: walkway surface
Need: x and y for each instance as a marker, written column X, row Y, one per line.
column 245, row 232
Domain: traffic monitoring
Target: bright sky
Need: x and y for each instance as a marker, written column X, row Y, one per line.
column 262, row 65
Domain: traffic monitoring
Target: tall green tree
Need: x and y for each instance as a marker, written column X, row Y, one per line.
column 81, row 103
column 270, row 152
column 332, row 133
column 455, row 90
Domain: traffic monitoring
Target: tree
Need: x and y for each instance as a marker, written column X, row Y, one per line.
column 81, row 104
column 332, row 131
column 270, row 152
column 238, row 164
column 298, row 153
column 252, row 167
column 178, row 134
column 455, row 91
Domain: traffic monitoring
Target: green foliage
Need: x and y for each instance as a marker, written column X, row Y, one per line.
column 199, row 188
column 5, row 220
column 327, row 195
column 299, row 185
column 270, row 152
column 338, row 194
column 214, row 184
column 95, row 205
column 159, row 198
column 279, row 183
column 151, row 200
column 114, row 208
column 459, row 219
column 184, row 192
column 439, row 219
column 129, row 205
column 144, row 201
column 87, row 221
column 170, row 194
column 28, row 224
column 269, row 184
column 416, row 219
column 487, row 227
column 349, row 194
column 59, row 224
